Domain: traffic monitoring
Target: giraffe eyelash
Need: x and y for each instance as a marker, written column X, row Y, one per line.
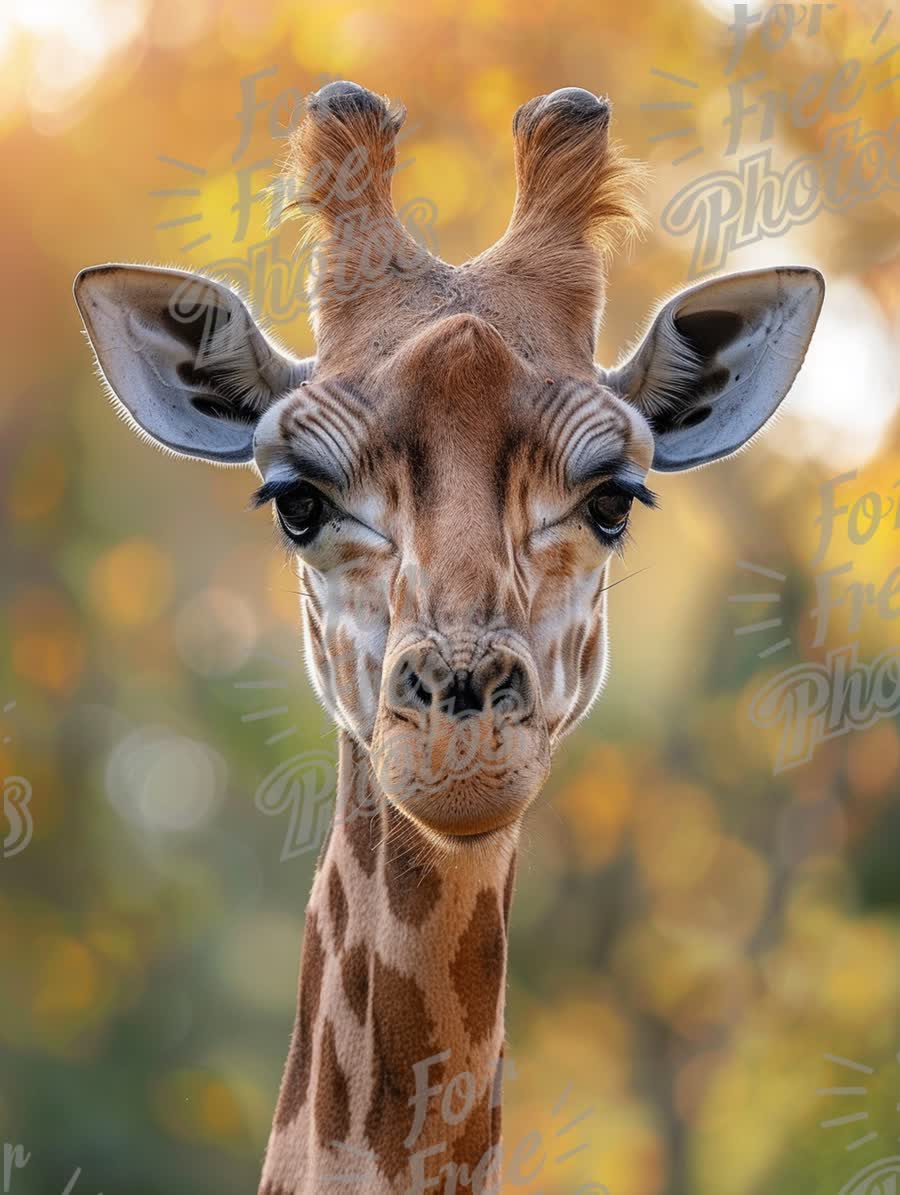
column 287, row 487
column 620, row 542
column 271, row 490
column 338, row 516
column 634, row 489
column 638, row 491
column 616, row 543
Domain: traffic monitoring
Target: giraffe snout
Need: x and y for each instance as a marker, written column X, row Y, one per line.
column 499, row 681
column 460, row 742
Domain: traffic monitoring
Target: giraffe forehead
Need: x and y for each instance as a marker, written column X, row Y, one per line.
column 458, row 413
column 516, row 445
column 465, row 392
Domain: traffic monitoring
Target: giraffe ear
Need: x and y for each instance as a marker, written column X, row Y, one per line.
column 718, row 359
column 183, row 357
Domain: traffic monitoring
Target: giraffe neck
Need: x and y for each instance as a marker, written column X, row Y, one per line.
column 393, row 1076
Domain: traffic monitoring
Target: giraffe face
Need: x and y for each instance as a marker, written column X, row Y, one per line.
column 453, row 518
column 452, row 470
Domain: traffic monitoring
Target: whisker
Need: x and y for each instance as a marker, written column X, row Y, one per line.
column 309, row 597
column 627, row 577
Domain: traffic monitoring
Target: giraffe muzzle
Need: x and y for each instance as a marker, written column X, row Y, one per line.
column 460, row 743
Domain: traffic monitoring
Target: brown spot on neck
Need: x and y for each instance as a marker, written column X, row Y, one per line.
column 361, row 831
column 355, row 980
column 476, row 1160
column 403, row 1035
column 413, row 887
column 337, row 905
column 295, row 1083
column 359, row 802
column 332, row 1093
column 478, row 968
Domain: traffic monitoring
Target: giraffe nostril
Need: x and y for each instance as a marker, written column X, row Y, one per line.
column 512, row 696
column 410, row 691
column 418, row 680
column 416, row 690
column 499, row 683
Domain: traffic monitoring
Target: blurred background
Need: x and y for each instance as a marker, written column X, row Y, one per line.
column 704, row 940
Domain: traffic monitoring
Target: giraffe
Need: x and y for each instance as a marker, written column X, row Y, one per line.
column 454, row 474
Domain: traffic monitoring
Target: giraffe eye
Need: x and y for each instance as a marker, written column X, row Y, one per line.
column 301, row 513
column 608, row 509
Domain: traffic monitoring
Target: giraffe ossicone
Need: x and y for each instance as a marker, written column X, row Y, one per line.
column 454, row 474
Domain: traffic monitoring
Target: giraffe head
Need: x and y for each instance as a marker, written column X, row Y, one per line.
column 452, row 470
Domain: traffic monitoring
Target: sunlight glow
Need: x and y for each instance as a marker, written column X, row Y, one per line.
column 846, row 392
column 71, row 40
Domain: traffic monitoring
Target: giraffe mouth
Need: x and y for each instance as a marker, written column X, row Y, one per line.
column 463, row 779
column 459, row 841
column 460, row 742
